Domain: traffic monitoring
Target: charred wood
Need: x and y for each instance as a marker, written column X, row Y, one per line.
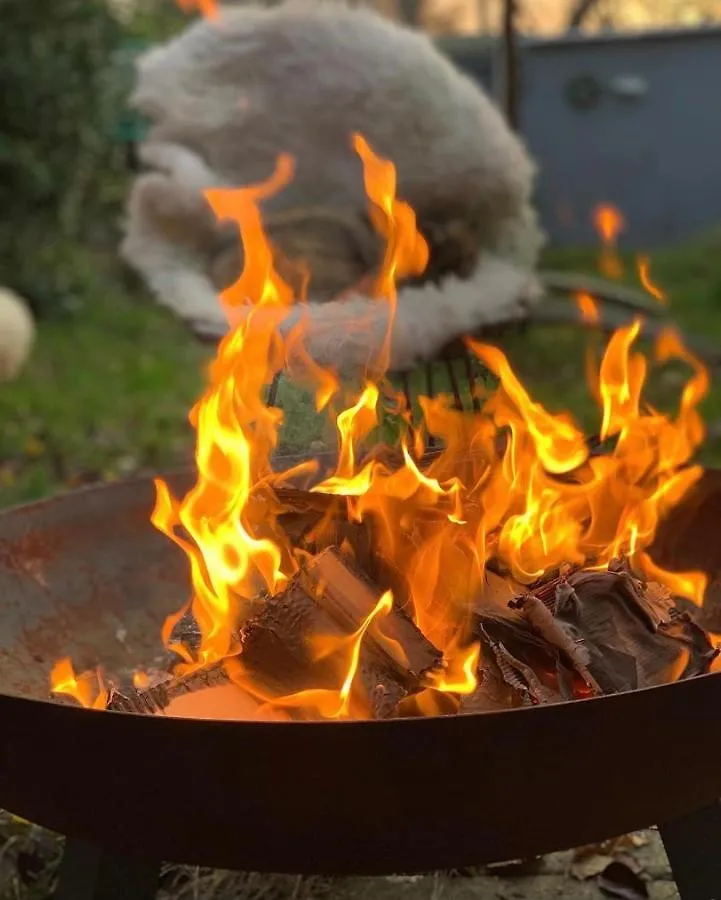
column 156, row 699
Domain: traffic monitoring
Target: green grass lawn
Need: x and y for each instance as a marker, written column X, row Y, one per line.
column 108, row 389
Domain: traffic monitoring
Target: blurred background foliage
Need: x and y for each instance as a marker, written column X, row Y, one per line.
column 60, row 175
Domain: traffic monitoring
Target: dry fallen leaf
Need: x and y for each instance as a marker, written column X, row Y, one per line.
column 618, row 880
column 591, row 860
column 590, row 865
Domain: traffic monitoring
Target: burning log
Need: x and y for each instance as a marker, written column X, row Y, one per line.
column 158, row 697
column 315, row 522
column 331, row 598
column 348, row 597
column 287, row 647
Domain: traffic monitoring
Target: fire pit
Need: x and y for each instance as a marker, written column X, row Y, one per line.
column 87, row 574
column 415, row 655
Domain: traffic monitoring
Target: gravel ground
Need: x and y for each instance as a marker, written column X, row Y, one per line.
column 29, row 861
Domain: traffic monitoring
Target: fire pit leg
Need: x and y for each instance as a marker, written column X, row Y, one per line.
column 693, row 845
column 89, row 873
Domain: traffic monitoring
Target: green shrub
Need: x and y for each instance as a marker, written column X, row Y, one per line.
column 61, row 170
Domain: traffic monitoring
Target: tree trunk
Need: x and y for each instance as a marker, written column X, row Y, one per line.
column 510, row 64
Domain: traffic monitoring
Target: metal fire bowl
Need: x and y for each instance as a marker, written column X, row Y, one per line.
column 86, row 575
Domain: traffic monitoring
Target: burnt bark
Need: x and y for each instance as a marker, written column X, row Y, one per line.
column 156, row 699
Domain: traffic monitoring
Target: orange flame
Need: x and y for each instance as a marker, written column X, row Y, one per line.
column 141, row 680
column 644, row 265
column 207, row 8
column 328, row 703
column 513, row 482
column 609, row 223
column 588, row 308
column 406, row 249
column 461, row 674
column 87, row 689
column 232, row 546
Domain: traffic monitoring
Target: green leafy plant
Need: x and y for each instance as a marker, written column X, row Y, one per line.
column 60, row 170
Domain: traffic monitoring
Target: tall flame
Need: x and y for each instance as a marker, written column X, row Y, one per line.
column 234, row 547
column 512, row 482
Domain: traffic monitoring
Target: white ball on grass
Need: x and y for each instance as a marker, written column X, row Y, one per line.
column 17, row 334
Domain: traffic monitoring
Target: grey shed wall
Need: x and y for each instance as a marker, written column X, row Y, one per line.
column 656, row 155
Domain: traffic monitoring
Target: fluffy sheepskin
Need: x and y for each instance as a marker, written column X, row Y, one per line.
column 227, row 97
column 17, row 334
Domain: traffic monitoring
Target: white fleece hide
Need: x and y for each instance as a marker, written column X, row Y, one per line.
column 227, row 97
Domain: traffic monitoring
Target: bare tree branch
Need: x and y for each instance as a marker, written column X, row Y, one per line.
column 579, row 13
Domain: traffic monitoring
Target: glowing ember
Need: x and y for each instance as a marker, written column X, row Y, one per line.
column 513, row 484
column 207, row 8
column 643, row 273
column 588, row 308
column 609, row 223
column 141, row 680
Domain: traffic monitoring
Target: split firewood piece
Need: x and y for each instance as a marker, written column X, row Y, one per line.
column 299, row 511
column 329, row 601
column 211, row 692
column 342, row 590
column 296, row 500
column 185, row 634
